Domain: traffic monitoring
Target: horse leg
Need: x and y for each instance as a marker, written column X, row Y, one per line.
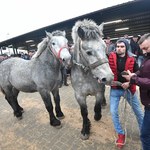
column 97, row 107
column 56, row 96
column 15, row 93
column 103, row 103
column 48, row 104
column 11, row 99
column 84, row 112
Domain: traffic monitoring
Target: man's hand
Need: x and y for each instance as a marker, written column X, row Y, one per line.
column 128, row 77
column 125, row 85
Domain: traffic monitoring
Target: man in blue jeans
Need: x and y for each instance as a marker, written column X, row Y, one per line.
column 142, row 79
column 120, row 61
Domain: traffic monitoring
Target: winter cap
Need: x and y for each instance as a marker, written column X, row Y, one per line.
column 127, row 45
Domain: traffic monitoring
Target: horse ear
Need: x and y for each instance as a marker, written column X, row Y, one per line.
column 48, row 34
column 64, row 33
column 101, row 26
column 80, row 32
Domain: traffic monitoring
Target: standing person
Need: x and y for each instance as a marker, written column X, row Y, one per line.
column 120, row 61
column 142, row 79
column 136, row 49
column 110, row 45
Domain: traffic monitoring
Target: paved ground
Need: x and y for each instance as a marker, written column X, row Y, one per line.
column 33, row 132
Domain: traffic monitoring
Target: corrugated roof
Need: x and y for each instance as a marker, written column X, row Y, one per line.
column 135, row 15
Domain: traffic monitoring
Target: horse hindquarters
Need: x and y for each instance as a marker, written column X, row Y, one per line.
column 48, row 104
column 11, row 95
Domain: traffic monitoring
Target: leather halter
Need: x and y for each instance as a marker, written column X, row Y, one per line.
column 88, row 66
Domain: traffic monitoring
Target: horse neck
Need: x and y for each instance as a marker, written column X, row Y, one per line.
column 48, row 57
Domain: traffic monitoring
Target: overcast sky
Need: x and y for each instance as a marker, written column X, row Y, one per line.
column 20, row 16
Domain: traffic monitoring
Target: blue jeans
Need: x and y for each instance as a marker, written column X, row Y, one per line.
column 145, row 131
column 115, row 95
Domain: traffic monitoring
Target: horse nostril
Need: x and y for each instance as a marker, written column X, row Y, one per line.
column 104, row 80
column 63, row 59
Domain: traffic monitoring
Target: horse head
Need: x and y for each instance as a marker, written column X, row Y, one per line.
column 90, row 50
column 57, row 44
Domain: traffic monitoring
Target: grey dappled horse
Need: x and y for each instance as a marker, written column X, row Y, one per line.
column 40, row 74
column 90, row 69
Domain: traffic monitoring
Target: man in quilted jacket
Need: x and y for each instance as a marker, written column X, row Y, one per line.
column 122, row 60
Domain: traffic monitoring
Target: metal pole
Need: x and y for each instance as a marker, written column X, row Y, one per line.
column 1, row 51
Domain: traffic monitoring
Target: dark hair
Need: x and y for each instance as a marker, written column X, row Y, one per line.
column 135, row 35
column 143, row 38
column 106, row 37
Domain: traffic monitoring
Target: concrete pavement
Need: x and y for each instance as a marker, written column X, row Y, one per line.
column 34, row 132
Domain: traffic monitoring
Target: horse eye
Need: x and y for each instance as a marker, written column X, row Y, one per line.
column 89, row 53
column 53, row 43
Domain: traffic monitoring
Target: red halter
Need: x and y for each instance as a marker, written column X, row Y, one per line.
column 61, row 50
column 58, row 55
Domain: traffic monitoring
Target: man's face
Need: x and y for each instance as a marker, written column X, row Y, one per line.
column 107, row 41
column 145, row 46
column 135, row 39
column 121, row 49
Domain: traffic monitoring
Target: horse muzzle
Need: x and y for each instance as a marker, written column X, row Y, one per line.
column 106, row 81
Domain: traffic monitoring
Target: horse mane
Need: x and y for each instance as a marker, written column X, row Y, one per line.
column 92, row 30
column 42, row 45
column 40, row 48
column 59, row 33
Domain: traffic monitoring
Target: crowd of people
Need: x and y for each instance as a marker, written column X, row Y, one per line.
column 26, row 56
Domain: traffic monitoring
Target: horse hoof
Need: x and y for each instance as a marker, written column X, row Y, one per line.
column 60, row 115
column 58, row 127
column 85, row 137
column 55, row 123
column 97, row 117
column 19, row 118
column 60, row 118
column 18, row 115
